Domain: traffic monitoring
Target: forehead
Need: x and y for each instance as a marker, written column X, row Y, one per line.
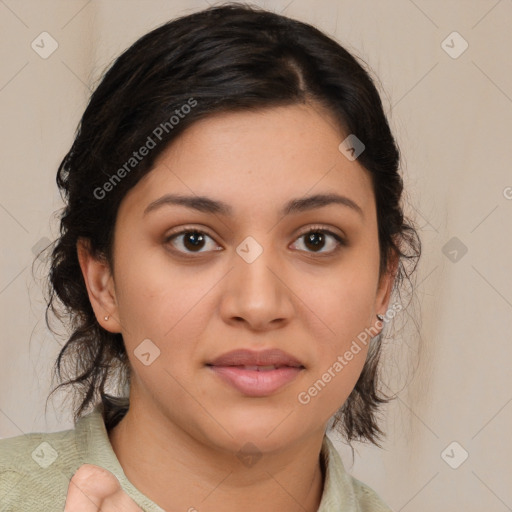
column 253, row 160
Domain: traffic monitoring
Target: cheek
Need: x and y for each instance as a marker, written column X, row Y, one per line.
column 164, row 303
column 340, row 351
column 341, row 303
column 344, row 306
column 346, row 341
column 146, row 289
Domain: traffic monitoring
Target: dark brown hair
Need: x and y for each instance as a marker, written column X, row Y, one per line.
column 226, row 58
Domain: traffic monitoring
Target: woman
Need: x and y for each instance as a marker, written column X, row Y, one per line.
column 230, row 243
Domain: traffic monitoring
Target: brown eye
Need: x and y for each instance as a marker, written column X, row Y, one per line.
column 315, row 240
column 190, row 240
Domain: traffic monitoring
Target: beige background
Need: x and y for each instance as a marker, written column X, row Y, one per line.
column 452, row 118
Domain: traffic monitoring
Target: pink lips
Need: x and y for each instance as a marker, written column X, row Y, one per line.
column 256, row 374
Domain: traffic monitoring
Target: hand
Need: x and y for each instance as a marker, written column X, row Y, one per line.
column 93, row 488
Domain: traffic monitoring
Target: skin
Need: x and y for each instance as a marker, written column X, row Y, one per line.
column 93, row 488
column 178, row 443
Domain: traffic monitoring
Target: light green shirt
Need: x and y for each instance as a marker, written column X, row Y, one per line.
column 35, row 470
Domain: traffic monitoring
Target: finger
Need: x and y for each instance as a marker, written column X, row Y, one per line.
column 89, row 487
column 119, row 502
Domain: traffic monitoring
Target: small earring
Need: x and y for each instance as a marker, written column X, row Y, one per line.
column 380, row 317
column 106, row 318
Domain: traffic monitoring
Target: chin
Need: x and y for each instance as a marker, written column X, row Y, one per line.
column 268, row 429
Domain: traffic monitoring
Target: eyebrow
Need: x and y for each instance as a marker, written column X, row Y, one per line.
column 208, row 205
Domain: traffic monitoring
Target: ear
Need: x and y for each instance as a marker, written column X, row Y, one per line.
column 100, row 286
column 386, row 282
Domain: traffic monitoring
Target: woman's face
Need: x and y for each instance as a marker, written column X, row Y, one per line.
column 252, row 278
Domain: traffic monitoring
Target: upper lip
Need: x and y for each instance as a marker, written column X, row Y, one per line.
column 243, row 357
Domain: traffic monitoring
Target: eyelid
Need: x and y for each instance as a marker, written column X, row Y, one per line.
column 323, row 228
column 186, row 229
column 204, row 229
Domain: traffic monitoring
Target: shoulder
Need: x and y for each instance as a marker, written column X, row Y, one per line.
column 35, row 470
column 367, row 499
column 342, row 491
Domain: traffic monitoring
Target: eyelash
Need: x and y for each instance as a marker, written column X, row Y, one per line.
column 340, row 242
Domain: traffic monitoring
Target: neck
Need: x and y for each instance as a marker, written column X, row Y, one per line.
column 178, row 472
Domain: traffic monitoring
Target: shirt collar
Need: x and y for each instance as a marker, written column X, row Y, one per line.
column 93, row 442
column 338, row 493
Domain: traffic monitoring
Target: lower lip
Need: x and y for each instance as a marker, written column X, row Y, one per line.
column 256, row 383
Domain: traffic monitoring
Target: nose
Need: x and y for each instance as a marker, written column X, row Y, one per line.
column 257, row 293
